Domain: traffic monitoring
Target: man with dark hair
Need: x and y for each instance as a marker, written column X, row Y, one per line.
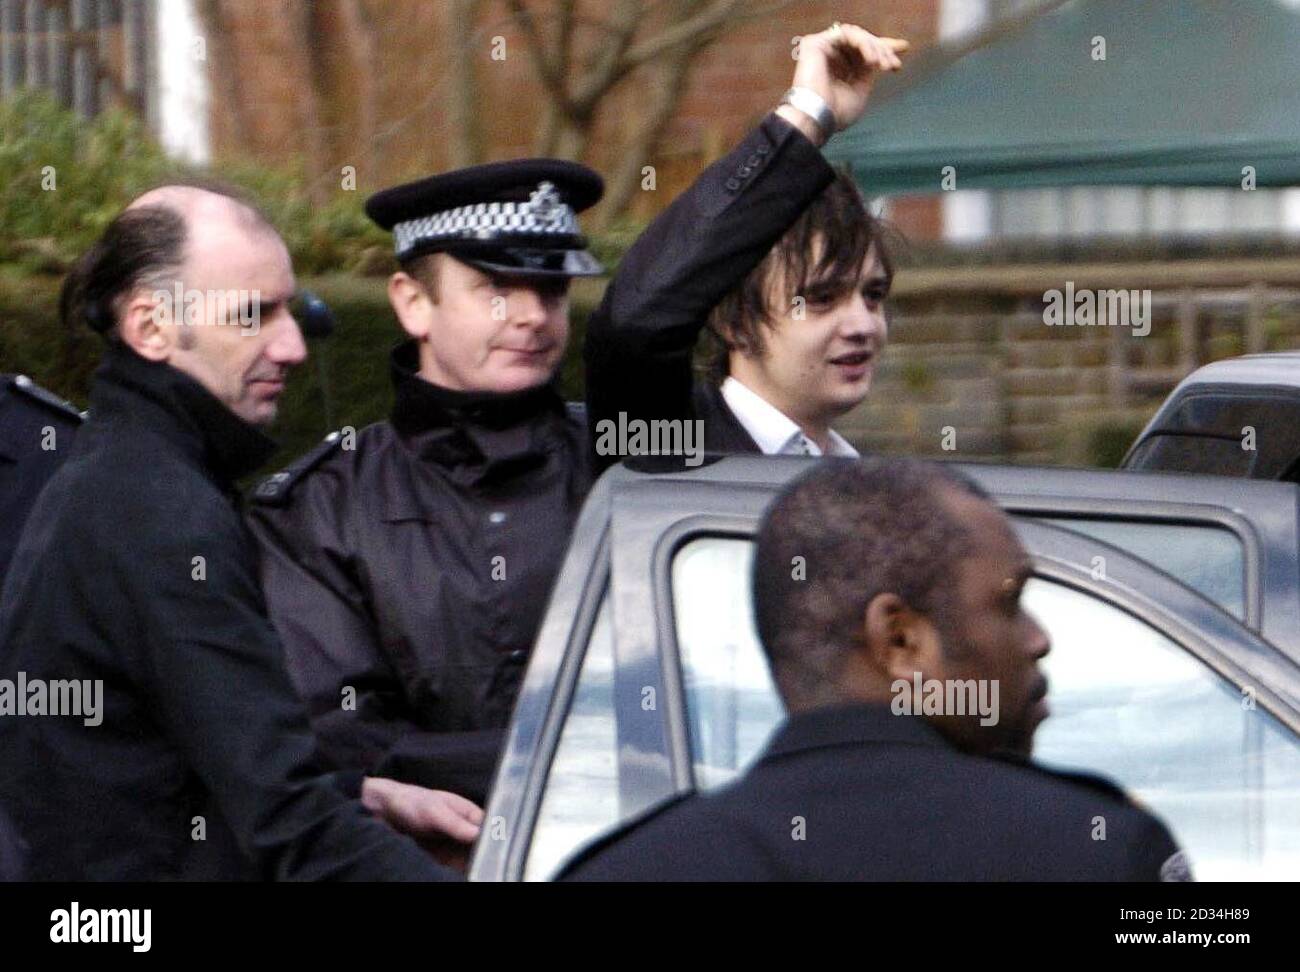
column 912, row 579
column 155, row 733
column 407, row 566
column 778, row 255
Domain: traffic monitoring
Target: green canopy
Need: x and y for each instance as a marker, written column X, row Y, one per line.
column 1190, row 92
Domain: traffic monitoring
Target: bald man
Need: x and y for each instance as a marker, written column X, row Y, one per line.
column 148, row 728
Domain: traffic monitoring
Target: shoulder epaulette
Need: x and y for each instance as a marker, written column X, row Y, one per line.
column 29, row 389
column 577, row 411
column 274, row 490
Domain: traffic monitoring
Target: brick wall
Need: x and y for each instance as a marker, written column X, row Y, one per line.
column 287, row 84
column 969, row 351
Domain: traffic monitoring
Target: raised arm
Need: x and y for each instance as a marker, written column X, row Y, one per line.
column 641, row 339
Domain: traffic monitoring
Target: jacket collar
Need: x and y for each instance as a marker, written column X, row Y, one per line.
column 476, row 435
column 171, row 403
column 851, row 724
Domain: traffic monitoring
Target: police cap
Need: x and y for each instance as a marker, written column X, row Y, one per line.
column 517, row 218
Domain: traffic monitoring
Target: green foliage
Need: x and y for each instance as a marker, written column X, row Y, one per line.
column 98, row 166
column 916, row 376
column 95, row 168
column 1108, row 440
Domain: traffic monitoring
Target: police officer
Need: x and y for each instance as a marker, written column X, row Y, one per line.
column 36, row 431
column 912, row 580
column 407, row 566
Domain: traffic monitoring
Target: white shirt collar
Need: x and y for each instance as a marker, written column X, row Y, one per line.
column 775, row 432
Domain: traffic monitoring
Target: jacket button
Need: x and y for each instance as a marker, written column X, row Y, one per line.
column 745, row 172
column 754, row 161
column 497, row 516
column 762, row 150
column 733, row 185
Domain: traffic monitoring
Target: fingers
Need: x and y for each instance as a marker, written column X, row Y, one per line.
column 468, row 809
column 420, row 811
column 879, row 53
column 446, row 817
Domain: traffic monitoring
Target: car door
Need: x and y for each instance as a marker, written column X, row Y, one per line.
column 660, row 686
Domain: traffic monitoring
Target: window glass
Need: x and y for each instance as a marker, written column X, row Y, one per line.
column 581, row 798
column 1194, row 454
column 1208, row 559
column 732, row 704
column 1132, row 705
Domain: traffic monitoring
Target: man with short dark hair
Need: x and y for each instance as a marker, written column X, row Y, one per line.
column 779, row 257
column 912, row 578
column 155, row 734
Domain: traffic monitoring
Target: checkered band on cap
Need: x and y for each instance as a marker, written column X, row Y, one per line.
column 543, row 215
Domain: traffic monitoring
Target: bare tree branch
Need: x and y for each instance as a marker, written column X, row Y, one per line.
column 548, row 68
column 603, row 70
column 363, row 48
column 463, row 114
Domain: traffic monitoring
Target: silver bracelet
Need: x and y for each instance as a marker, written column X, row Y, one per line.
column 814, row 106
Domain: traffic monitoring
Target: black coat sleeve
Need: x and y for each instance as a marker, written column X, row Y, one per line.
column 216, row 672
column 641, row 339
column 332, row 648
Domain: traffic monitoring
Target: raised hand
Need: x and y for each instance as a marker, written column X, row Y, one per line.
column 841, row 64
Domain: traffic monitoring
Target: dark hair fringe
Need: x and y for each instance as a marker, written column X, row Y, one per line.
column 839, row 216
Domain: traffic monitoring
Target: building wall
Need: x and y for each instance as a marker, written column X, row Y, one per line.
column 295, row 82
column 973, row 372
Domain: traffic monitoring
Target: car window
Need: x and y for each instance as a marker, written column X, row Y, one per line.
column 581, row 796
column 1128, row 703
column 1208, row 559
column 1194, row 454
column 732, row 705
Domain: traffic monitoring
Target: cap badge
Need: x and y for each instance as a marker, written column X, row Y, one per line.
column 545, row 204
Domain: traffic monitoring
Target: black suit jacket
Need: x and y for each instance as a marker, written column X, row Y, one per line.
column 860, row 794
column 641, row 339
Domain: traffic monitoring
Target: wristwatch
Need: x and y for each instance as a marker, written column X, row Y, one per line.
column 814, row 106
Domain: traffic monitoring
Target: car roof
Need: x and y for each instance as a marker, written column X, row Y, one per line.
column 1280, row 368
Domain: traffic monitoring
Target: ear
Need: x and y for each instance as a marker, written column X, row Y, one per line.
column 898, row 640
column 411, row 304
column 146, row 327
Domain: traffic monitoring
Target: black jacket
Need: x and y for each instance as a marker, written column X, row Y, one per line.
column 379, row 564
column 36, row 432
column 641, row 339
column 412, row 567
column 198, row 718
column 860, row 794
